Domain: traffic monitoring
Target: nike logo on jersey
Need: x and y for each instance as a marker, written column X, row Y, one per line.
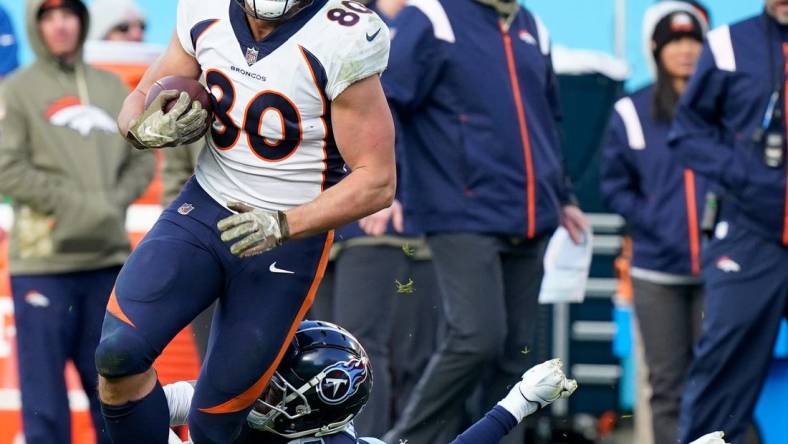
column 274, row 269
column 372, row 37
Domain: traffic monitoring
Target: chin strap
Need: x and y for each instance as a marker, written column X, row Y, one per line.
column 507, row 9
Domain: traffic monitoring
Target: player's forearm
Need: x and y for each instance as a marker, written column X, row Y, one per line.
column 363, row 192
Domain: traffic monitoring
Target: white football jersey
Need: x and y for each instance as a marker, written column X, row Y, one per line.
column 271, row 144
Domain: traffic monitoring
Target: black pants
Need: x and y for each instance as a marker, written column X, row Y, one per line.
column 490, row 287
column 669, row 317
column 397, row 329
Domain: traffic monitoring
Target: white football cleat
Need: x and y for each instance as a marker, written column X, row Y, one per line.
column 711, row 438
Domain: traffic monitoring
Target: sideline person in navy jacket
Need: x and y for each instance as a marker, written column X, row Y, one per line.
column 473, row 89
column 731, row 128
column 662, row 204
column 395, row 322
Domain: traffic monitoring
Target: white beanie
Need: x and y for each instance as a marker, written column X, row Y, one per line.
column 107, row 14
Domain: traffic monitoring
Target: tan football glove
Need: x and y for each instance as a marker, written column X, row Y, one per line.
column 184, row 123
column 259, row 230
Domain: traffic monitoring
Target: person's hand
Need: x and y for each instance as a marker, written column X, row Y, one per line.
column 376, row 224
column 575, row 222
column 711, row 438
column 259, row 230
column 184, row 123
column 540, row 386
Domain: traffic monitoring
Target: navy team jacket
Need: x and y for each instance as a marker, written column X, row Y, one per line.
column 477, row 109
column 643, row 181
column 724, row 103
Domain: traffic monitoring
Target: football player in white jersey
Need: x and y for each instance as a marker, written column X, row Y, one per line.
column 296, row 92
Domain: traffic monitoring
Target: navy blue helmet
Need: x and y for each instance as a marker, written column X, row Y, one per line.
column 321, row 384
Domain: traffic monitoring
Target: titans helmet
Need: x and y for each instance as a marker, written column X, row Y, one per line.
column 273, row 9
column 321, row 384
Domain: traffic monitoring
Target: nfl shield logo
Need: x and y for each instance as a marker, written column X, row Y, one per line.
column 251, row 56
column 185, row 209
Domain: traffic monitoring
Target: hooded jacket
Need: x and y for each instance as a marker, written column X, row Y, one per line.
column 69, row 173
column 643, row 181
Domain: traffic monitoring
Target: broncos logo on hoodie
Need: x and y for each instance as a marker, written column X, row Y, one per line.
column 69, row 112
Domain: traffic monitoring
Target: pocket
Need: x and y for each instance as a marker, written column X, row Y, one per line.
column 89, row 223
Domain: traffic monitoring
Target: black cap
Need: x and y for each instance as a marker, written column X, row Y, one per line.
column 75, row 6
column 675, row 26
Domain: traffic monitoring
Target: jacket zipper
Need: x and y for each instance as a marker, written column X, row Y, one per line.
column 525, row 139
column 692, row 220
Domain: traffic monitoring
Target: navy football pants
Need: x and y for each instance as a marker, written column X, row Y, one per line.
column 58, row 318
column 746, row 298
column 181, row 268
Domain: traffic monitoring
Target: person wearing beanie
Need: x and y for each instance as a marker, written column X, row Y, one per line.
column 642, row 180
column 117, row 20
column 70, row 178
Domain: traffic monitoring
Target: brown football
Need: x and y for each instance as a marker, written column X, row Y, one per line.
column 192, row 87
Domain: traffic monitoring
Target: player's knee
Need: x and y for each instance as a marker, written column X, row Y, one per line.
column 121, row 352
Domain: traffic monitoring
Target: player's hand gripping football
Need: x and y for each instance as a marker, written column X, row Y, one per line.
column 259, row 230
column 155, row 128
column 711, row 438
column 540, row 386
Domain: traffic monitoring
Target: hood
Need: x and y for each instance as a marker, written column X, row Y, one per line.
column 37, row 44
column 654, row 15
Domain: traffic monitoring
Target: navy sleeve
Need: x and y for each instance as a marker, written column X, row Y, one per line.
column 698, row 136
column 619, row 182
column 415, row 61
column 8, row 45
column 567, row 192
column 490, row 429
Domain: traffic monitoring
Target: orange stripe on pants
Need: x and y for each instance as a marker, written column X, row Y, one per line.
column 249, row 396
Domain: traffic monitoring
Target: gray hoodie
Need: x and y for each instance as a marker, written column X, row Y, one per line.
column 69, row 173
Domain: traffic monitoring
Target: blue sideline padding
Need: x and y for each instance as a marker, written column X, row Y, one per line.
column 623, row 346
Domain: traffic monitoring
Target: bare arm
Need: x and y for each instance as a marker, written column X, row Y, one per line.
column 175, row 61
column 364, row 131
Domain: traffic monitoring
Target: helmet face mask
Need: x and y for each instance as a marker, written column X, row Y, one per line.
column 272, row 10
column 275, row 401
column 321, row 385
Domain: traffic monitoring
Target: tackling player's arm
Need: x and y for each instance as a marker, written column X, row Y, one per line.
column 174, row 61
column 364, row 132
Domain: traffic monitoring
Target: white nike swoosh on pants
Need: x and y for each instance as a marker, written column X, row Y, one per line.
column 273, row 269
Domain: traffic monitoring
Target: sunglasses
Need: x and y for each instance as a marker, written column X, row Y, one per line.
column 126, row 26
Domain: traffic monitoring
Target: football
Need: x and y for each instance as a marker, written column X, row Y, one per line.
column 193, row 88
